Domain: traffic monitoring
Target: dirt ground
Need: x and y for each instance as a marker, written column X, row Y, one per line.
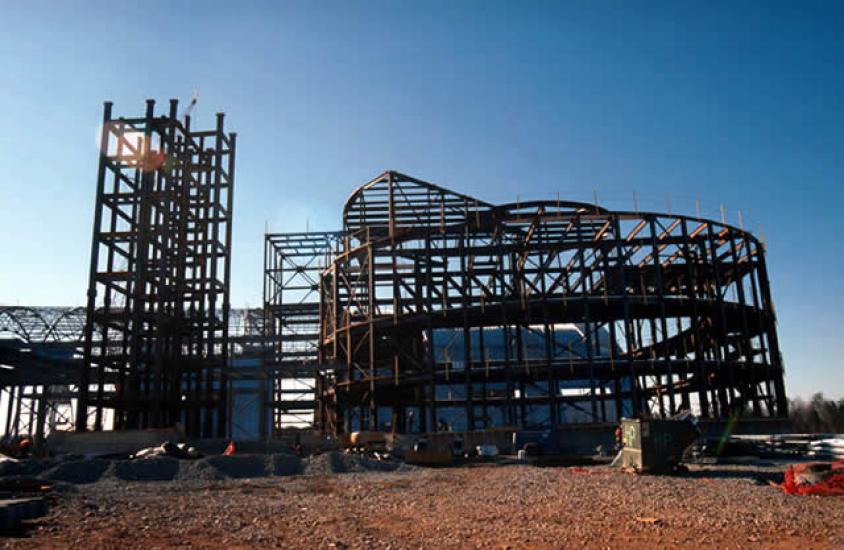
column 513, row 506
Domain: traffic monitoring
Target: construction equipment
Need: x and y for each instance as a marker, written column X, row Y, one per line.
column 424, row 454
column 368, row 441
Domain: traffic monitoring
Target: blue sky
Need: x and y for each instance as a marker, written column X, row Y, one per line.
column 740, row 103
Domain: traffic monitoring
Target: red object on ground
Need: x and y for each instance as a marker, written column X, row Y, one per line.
column 229, row 450
column 815, row 478
column 23, row 449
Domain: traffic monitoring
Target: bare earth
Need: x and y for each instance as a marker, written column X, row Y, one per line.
column 471, row 507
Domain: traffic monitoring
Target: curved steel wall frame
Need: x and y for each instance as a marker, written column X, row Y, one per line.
column 684, row 303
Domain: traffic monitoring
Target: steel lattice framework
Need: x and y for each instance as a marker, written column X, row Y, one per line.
column 156, row 338
column 40, row 349
column 429, row 310
column 672, row 312
column 293, row 264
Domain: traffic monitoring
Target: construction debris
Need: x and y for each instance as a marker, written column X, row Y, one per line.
column 827, row 449
column 175, row 450
column 815, row 478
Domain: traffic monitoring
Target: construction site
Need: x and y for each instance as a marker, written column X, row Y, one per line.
column 484, row 362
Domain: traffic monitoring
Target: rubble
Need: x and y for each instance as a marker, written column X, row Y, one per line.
column 175, row 450
column 815, row 478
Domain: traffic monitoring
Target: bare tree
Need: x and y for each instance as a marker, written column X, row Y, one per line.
column 818, row 415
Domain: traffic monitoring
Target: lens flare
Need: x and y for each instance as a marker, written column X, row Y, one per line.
column 128, row 146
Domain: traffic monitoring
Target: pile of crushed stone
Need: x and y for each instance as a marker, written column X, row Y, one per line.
column 79, row 470
column 336, row 462
column 163, row 468
column 225, row 467
column 24, row 468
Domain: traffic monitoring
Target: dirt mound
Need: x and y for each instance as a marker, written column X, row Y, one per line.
column 161, row 468
column 77, row 471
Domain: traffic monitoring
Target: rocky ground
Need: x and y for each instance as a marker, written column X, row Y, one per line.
column 512, row 506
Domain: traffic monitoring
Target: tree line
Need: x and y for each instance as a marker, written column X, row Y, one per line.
column 817, row 415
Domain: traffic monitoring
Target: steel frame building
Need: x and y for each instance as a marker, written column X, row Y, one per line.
column 428, row 310
column 684, row 301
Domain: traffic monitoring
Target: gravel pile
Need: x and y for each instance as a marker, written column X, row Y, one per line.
column 27, row 468
column 336, row 462
column 77, row 471
column 199, row 470
column 160, row 468
column 240, row 466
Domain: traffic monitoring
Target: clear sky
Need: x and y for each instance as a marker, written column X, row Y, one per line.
column 740, row 103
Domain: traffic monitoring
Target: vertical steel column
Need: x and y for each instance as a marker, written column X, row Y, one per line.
column 82, row 401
